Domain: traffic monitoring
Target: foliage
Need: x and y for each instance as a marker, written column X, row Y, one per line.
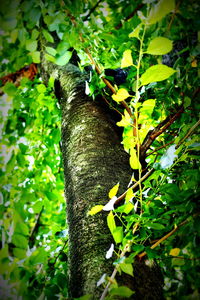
column 161, row 58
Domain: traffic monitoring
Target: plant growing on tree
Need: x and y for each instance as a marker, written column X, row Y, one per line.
column 157, row 107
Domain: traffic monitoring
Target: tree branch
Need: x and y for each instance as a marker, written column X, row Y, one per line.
column 91, row 11
column 167, row 235
column 153, row 134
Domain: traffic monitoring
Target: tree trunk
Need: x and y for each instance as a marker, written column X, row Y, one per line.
column 94, row 161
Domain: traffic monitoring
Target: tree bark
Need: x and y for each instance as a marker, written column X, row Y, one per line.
column 94, row 161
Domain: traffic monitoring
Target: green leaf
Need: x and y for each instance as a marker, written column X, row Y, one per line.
column 41, row 88
column 156, row 226
column 10, row 89
column 22, row 228
column 31, row 45
column 128, row 207
column 19, row 253
column 35, row 56
column 94, row 210
column 156, row 73
column 37, row 206
column 63, row 59
column 111, row 222
column 134, row 162
column 122, row 291
column 39, row 256
column 118, row 234
column 47, row 36
column 127, row 268
column 160, row 10
column 113, row 191
column 20, row 241
column 159, row 46
column 51, row 51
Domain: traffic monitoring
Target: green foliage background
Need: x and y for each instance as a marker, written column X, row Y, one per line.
column 33, row 218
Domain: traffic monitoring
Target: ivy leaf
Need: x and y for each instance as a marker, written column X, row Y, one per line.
column 156, row 73
column 127, row 60
column 121, row 95
column 20, row 241
column 51, row 51
column 159, row 46
column 160, row 10
column 94, row 210
column 155, row 226
column 63, row 59
column 125, row 121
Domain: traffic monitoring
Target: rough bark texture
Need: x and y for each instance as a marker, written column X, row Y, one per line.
column 94, row 161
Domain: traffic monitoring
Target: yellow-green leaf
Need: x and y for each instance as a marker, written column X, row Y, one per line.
column 135, row 32
column 160, row 10
column 127, row 268
column 113, row 191
column 159, row 46
column 111, row 222
column 134, row 162
column 156, row 73
column 129, row 195
column 127, row 60
column 174, row 251
column 121, row 95
column 125, row 121
column 95, row 209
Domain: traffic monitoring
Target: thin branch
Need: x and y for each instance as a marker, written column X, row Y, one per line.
column 131, row 15
column 120, row 198
column 36, row 226
column 157, row 149
column 91, row 10
column 167, row 235
column 189, row 133
column 153, row 134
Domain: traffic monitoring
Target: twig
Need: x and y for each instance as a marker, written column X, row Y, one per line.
column 161, row 147
column 91, row 10
column 189, row 133
column 36, row 226
column 167, row 236
column 120, row 198
column 130, row 16
column 153, row 134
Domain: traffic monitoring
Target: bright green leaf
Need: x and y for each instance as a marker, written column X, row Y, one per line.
column 159, row 46
column 47, row 36
column 136, row 31
column 113, row 191
column 111, row 222
column 95, row 209
column 20, row 241
column 156, row 73
column 51, row 51
column 121, row 95
column 134, row 162
column 127, row 60
column 31, row 45
column 160, row 10
column 63, row 59
column 41, row 88
column 118, row 234
column 35, row 56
